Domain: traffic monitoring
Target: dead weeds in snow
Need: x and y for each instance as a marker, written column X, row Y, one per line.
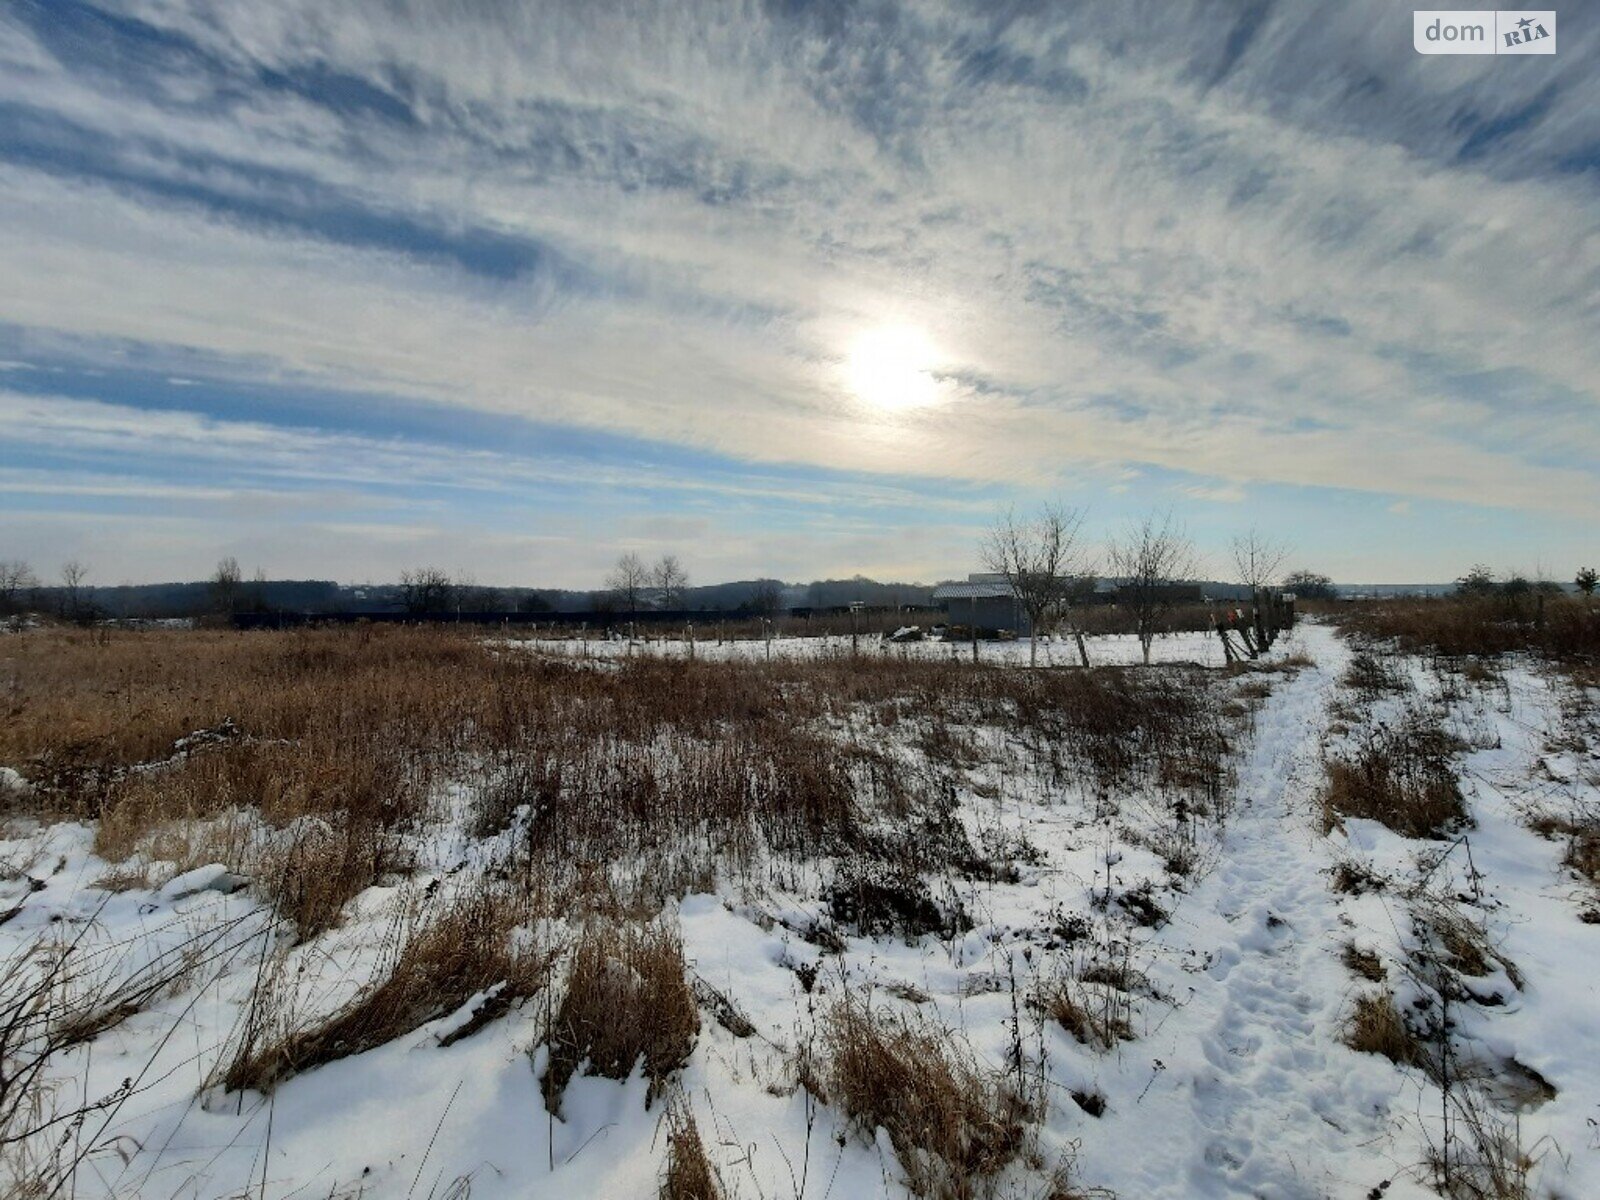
column 478, row 946
column 1399, row 775
column 625, row 999
column 312, row 757
column 1581, row 833
column 1096, row 1017
column 1362, row 962
column 953, row 1125
column 1376, row 1026
column 690, row 1173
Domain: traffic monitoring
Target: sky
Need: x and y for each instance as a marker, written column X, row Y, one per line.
column 788, row 289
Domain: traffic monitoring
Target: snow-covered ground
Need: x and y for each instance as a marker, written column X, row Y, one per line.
column 1104, row 649
column 1237, row 1081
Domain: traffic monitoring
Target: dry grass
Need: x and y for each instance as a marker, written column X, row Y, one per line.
column 1352, row 877
column 1464, row 947
column 1096, row 1018
column 475, row 945
column 690, row 1173
column 1581, row 833
column 1376, row 1027
column 953, row 1125
column 311, row 757
column 1564, row 629
column 58, row 996
column 1485, row 1159
column 1363, row 963
column 1372, row 676
column 1401, row 776
column 625, row 999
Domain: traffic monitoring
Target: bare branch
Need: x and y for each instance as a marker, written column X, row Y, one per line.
column 1257, row 559
column 1038, row 559
column 1151, row 560
column 628, row 579
column 670, row 580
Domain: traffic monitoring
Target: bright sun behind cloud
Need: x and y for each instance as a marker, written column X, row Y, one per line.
column 890, row 368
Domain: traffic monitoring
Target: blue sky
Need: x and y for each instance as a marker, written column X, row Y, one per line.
column 797, row 289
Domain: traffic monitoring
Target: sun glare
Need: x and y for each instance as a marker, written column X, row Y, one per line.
column 890, row 368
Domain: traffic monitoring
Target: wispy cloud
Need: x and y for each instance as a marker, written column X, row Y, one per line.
column 1264, row 245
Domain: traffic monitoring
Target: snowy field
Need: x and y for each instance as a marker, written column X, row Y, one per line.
column 1104, row 649
column 1166, row 987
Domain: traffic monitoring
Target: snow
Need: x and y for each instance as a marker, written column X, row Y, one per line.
column 1237, row 1083
column 213, row 878
column 1104, row 649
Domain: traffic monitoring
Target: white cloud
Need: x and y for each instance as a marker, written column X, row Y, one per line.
column 1270, row 280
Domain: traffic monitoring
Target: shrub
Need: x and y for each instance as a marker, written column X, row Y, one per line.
column 877, row 897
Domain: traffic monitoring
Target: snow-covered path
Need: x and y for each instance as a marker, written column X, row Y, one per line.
column 1256, row 1094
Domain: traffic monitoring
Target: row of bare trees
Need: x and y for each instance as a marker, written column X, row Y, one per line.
column 74, row 598
column 432, row 590
column 633, row 583
column 1050, row 567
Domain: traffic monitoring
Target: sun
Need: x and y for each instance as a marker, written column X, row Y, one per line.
column 891, row 368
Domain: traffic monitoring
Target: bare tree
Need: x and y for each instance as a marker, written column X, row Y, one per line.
column 427, row 589
column 766, row 600
column 1150, row 561
column 670, row 580
column 16, row 580
column 1480, row 581
column 1038, row 558
column 628, row 579
column 1257, row 560
column 74, row 590
column 225, row 583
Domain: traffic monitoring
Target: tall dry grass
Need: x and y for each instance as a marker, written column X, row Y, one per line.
column 626, row 1001
column 1400, row 775
column 479, row 944
column 1565, row 629
column 337, row 744
column 953, row 1124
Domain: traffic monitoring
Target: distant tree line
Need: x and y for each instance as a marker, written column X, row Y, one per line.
column 1050, row 566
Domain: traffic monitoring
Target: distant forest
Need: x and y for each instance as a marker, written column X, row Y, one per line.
column 157, row 600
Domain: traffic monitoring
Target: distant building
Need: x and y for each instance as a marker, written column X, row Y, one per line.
column 985, row 602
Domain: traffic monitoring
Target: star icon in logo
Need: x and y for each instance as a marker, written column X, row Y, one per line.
column 1524, row 23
